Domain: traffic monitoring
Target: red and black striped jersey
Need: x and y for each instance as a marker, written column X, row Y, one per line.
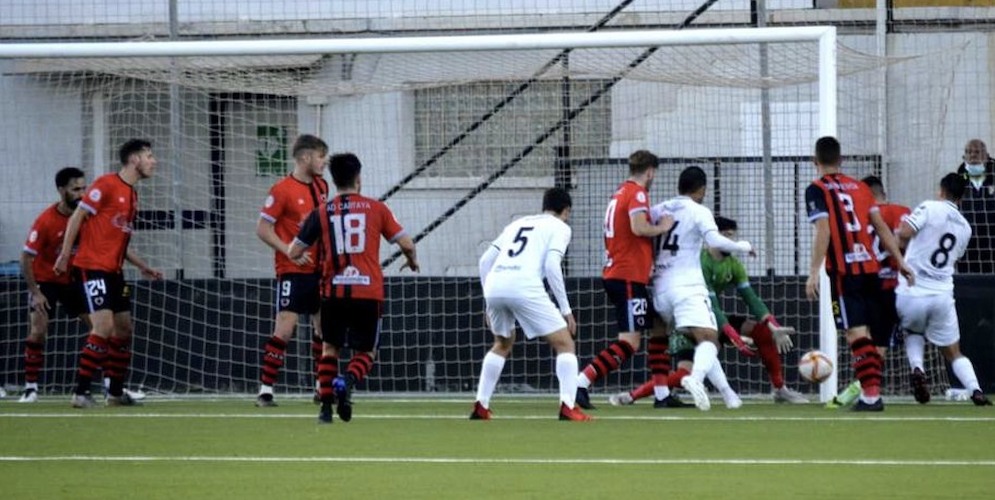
column 847, row 204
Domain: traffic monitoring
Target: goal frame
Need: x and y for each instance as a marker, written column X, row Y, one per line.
column 824, row 35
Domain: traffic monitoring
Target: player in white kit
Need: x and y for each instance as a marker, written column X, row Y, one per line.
column 680, row 295
column 511, row 273
column 937, row 236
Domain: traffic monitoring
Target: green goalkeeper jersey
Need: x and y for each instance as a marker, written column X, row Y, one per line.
column 720, row 275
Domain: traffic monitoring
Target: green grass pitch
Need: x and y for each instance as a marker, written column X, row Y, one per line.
column 227, row 449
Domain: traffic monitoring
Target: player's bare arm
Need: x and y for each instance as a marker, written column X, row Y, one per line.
column 819, row 249
column 39, row 303
column 890, row 244
column 410, row 253
column 72, row 232
column 641, row 226
column 266, row 233
column 905, row 233
column 147, row 270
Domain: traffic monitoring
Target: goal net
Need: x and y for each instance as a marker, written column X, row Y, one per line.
column 460, row 135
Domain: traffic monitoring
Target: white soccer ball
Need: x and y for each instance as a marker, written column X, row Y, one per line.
column 815, row 367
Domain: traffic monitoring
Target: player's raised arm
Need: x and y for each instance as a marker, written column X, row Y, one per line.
column 72, row 231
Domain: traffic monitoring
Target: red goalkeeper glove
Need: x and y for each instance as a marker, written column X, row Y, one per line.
column 733, row 335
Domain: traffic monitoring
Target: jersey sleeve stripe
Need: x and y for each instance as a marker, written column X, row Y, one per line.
column 30, row 251
column 267, row 217
column 399, row 235
column 816, row 216
column 636, row 210
column 88, row 208
column 743, row 286
column 912, row 222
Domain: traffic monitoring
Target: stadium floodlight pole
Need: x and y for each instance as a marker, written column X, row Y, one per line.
column 827, row 126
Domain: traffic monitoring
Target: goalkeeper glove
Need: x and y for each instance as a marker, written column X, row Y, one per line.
column 781, row 335
column 738, row 341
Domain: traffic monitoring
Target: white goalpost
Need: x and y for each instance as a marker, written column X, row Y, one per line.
column 459, row 134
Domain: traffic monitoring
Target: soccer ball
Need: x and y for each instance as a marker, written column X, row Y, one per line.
column 815, row 367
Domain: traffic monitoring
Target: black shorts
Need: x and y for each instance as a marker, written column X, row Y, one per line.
column 352, row 323
column 66, row 294
column 887, row 319
column 631, row 302
column 103, row 290
column 856, row 300
column 298, row 293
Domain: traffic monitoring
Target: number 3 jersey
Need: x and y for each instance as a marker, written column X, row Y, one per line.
column 348, row 228
column 941, row 239
column 522, row 248
column 847, row 204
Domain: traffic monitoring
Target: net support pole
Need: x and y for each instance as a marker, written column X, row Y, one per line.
column 175, row 145
column 828, row 336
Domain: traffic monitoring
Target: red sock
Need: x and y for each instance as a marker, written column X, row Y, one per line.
column 867, row 366
column 771, row 359
column 675, row 377
column 659, row 359
column 34, row 357
column 116, row 364
column 642, row 391
column 608, row 360
column 276, row 349
column 359, row 367
column 328, row 369
column 316, row 352
column 90, row 360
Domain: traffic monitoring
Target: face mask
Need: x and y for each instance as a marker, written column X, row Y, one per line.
column 975, row 169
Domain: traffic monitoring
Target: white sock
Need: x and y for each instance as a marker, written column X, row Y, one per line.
column 107, row 383
column 661, row 392
column 566, row 373
column 31, row 386
column 265, row 389
column 490, row 372
column 717, row 376
column 964, row 370
column 705, row 356
column 582, row 381
column 915, row 348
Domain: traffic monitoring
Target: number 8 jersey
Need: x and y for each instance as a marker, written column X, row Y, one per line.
column 349, row 228
column 941, row 239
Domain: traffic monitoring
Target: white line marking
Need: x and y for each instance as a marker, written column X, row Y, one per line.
column 505, row 461
column 693, row 417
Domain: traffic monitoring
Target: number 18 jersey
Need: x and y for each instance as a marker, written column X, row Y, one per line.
column 522, row 249
column 941, row 238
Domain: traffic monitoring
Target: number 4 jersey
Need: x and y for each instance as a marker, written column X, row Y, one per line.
column 941, row 238
column 847, row 203
column 522, row 248
column 349, row 227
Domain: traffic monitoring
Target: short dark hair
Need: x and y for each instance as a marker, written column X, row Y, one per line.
column 556, row 200
column 62, row 177
column 827, row 151
column 874, row 182
column 308, row 142
column 345, row 169
column 692, row 179
column 641, row 161
column 725, row 224
column 132, row 146
column 954, row 186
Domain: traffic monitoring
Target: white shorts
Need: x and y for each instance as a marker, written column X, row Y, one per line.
column 537, row 316
column 933, row 315
column 685, row 307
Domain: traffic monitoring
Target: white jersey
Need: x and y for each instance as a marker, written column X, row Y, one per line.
column 678, row 252
column 941, row 239
column 522, row 249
